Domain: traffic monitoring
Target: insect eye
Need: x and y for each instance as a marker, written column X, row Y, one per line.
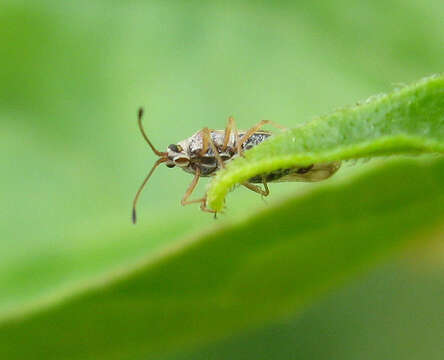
column 170, row 165
column 175, row 148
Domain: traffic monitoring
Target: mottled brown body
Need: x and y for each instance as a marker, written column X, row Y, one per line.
column 207, row 151
column 207, row 162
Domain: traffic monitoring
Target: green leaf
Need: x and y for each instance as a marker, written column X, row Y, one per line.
column 78, row 281
column 408, row 120
column 245, row 275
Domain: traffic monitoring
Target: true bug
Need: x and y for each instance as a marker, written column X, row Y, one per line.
column 207, row 151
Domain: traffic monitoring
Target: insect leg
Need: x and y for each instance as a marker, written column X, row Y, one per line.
column 257, row 189
column 203, row 206
column 202, row 201
column 231, row 126
column 205, row 144
column 208, row 141
column 190, row 190
column 256, row 127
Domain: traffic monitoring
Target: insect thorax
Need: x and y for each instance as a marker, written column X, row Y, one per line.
column 207, row 162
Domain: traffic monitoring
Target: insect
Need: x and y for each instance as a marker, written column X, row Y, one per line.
column 208, row 150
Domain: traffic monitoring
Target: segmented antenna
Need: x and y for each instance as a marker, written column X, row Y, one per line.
column 163, row 158
column 139, row 121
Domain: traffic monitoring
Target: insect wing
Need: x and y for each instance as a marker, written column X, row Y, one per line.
column 317, row 172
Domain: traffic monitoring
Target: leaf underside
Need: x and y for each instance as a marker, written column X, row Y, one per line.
column 210, row 289
column 407, row 121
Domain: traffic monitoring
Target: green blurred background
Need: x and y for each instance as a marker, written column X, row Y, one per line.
column 72, row 75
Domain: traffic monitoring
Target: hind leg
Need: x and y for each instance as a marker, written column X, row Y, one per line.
column 257, row 189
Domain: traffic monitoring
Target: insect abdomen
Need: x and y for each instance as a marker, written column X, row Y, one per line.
column 270, row 177
column 315, row 172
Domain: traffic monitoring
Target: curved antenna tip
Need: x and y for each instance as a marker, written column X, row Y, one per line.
column 139, row 120
column 133, row 217
column 156, row 164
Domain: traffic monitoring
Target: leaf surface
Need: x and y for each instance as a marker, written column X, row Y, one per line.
column 406, row 121
column 241, row 276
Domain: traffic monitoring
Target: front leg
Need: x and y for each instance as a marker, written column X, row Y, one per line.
column 190, row 190
column 202, row 201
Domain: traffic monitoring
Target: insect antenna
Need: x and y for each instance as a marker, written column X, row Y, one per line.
column 139, row 120
column 157, row 163
column 163, row 158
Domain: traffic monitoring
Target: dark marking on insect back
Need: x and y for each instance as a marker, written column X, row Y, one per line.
column 208, row 160
column 254, row 140
column 270, row 177
column 279, row 173
column 304, row 170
